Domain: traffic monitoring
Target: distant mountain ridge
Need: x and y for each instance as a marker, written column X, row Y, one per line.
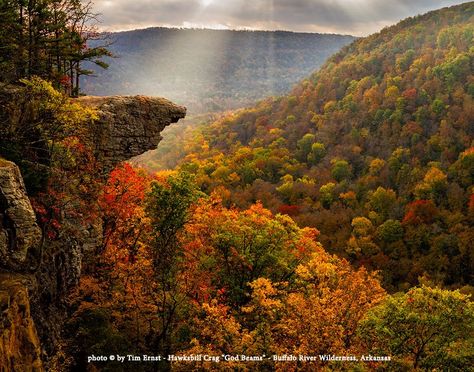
column 211, row 70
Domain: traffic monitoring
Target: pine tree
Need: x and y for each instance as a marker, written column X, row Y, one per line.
column 49, row 39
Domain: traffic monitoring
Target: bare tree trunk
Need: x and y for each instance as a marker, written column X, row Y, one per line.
column 30, row 38
column 76, row 91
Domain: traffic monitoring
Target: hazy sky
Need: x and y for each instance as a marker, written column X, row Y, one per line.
column 356, row 17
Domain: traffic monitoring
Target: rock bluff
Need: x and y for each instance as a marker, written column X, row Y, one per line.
column 126, row 127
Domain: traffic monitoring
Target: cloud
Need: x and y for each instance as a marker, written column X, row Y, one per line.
column 356, row 17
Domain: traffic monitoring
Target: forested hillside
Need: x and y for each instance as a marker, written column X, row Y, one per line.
column 375, row 150
column 211, row 70
column 329, row 229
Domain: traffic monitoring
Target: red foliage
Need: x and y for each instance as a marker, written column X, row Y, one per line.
column 121, row 203
column 420, row 211
column 65, row 81
column 48, row 208
column 410, row 93
column 124, row 192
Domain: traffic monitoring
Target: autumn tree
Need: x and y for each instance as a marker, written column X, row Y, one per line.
column 317, row 312
column 425, row 328
column 167, row 207
column 36, row 119
column 317, row 153
column 237, row 247
column 361, row 241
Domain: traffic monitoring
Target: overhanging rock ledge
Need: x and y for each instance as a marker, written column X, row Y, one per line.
column 128, row 126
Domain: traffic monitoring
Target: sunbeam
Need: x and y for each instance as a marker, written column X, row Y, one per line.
column 206, row 3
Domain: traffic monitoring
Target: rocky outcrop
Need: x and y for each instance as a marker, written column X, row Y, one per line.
column 19, row 343
column 128, row 126
column 19, row 232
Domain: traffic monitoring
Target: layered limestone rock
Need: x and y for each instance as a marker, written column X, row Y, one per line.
column 19, row 343
column 19, row 231
column 128, row 126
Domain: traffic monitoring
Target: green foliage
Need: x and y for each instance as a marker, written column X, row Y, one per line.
column 390, row 231
column 426, row 328
column 168, row 208
column 361, row 242
column 362, row 226
column 304, row 146
column 246, row 245
column 438, row 107
column 326, row 193
column 382, row 201
column 317, row 153
column 286, row 188
column 405, row 61
column 433, row 186
column 36, row 119
column 49, row 39
column 341, row 170
column 464, row 167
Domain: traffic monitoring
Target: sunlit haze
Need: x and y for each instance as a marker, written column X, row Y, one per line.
column 355, row 17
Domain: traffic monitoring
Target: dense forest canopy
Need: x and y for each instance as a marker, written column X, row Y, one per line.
column 211, row 70
column 182, row 274
column 375, row 150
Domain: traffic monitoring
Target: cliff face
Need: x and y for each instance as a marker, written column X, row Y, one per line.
column 19, row 231
column 38, row 274
column 19, row 235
